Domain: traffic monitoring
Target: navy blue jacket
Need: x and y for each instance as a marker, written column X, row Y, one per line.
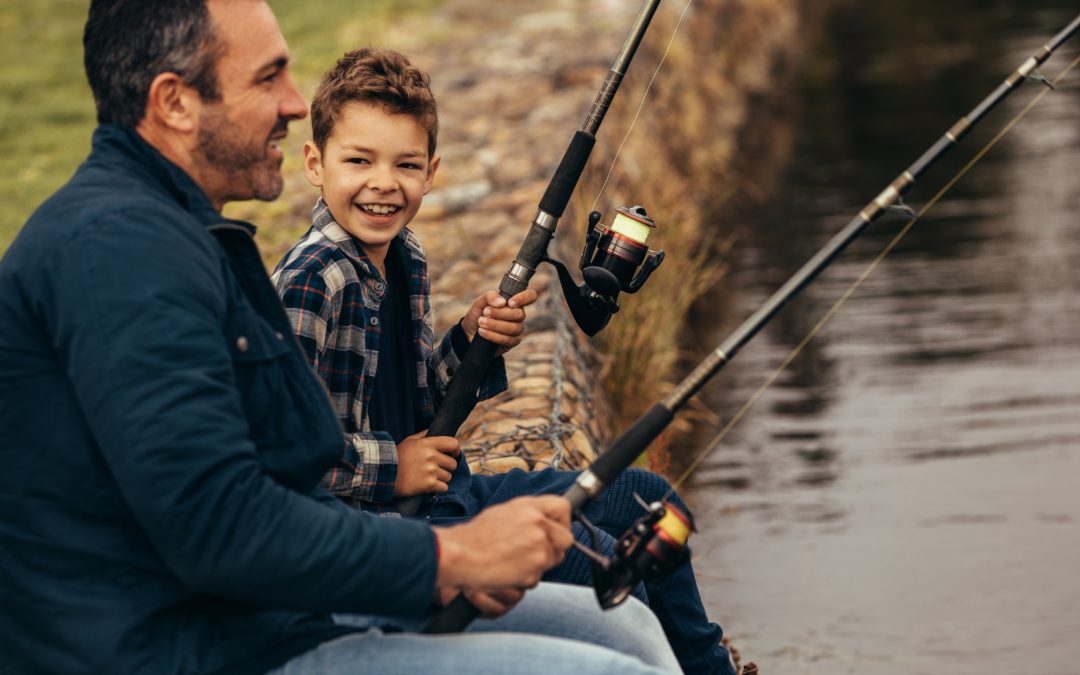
column 161, row 441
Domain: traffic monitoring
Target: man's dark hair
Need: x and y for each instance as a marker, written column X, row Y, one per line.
column 127, row 43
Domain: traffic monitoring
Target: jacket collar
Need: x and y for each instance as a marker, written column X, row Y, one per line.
column 121, row 147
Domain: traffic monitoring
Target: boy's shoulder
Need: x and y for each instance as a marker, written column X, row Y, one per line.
column 317, row 255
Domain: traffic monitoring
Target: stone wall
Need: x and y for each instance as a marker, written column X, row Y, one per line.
column 514, row 80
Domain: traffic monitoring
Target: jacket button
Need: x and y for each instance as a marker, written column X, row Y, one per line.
column 279, row 336
column 242, row 343
column 374, row 321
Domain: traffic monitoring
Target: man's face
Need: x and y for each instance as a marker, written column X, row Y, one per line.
column 237, row 155
column 374, row 172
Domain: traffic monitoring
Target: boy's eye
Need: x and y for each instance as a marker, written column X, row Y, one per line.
column 357, row 160
column 410, row 166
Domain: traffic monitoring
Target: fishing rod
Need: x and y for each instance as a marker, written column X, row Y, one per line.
column 659, row 538
column 615, row 259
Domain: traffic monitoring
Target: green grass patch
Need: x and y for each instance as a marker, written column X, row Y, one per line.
column 47, row 111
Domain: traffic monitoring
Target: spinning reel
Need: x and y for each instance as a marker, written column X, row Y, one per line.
column 615, row 259
column 651, row 549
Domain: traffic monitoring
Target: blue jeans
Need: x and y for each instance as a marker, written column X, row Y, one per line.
column 675, row 599
column 555, row 629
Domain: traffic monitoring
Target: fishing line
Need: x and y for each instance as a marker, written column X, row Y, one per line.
column 718, row 438
column 641, row 105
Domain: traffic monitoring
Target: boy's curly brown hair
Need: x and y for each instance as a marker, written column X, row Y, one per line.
column 377, row 76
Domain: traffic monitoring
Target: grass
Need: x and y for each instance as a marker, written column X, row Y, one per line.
column 47, row 112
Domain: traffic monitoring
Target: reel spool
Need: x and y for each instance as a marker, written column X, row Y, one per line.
column 651, row 549
column 616, row 259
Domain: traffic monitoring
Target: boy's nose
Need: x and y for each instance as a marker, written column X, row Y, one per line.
column 382, row 181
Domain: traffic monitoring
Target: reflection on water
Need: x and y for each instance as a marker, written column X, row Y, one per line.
column 906, row 497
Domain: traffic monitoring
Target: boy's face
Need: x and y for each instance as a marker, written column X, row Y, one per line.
column 374, row 172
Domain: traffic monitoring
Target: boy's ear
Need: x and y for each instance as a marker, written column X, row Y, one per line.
column 433, row 166
column 313, row 164
column 172, row 104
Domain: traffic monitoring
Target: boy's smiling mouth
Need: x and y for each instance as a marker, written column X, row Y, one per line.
column 379, row 209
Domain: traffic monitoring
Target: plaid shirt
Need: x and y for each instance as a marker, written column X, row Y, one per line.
column 332, row 293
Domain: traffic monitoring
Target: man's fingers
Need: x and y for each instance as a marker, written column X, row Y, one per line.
column 495, row 603
column 555, row 507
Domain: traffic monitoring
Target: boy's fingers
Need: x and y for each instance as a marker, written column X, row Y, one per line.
column 450, row 452
column 523, row 299
column 445, row 462
column 509, row 328
column 504, row 314
column 444, row 443
column 504, row 341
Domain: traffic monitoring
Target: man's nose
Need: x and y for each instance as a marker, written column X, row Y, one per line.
column 292, row 106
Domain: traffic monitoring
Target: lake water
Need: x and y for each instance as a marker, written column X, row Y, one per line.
column 906, row 497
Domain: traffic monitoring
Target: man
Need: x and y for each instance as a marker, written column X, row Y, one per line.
column 163, row 437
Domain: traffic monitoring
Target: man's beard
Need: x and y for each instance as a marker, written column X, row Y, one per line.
column 245, row 170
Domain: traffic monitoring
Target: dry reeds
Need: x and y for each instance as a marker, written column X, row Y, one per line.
column 687, row 162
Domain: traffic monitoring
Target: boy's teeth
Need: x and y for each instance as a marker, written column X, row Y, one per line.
column 379, row 209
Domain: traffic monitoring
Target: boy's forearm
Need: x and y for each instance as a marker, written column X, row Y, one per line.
column 367, row 470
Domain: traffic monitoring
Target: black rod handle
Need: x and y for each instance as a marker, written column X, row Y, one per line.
column 461, row 399
column 453, row 618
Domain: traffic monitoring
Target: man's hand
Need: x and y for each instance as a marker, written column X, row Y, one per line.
column 425, row 464
column 494, row 557
column 498, row 320
column 491, row 604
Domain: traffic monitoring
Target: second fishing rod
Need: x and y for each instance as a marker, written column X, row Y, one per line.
column 615, row 259
column 634, row 441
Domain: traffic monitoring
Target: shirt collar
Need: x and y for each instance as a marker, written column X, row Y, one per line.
column 323, row 221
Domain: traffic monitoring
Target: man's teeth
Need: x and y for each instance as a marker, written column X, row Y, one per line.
column 379, row 209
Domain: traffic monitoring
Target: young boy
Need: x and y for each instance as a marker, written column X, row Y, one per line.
column 356, row 290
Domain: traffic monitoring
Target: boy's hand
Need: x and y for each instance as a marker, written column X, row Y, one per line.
column 498, row 320
column 425, row 464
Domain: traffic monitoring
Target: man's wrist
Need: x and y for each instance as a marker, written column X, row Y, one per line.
column 450, row 557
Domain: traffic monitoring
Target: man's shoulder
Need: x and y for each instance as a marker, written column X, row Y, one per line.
column 99, row 208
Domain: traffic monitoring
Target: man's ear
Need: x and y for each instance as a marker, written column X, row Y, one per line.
column 173, row 104
column 313, row 164
column 433, row 166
